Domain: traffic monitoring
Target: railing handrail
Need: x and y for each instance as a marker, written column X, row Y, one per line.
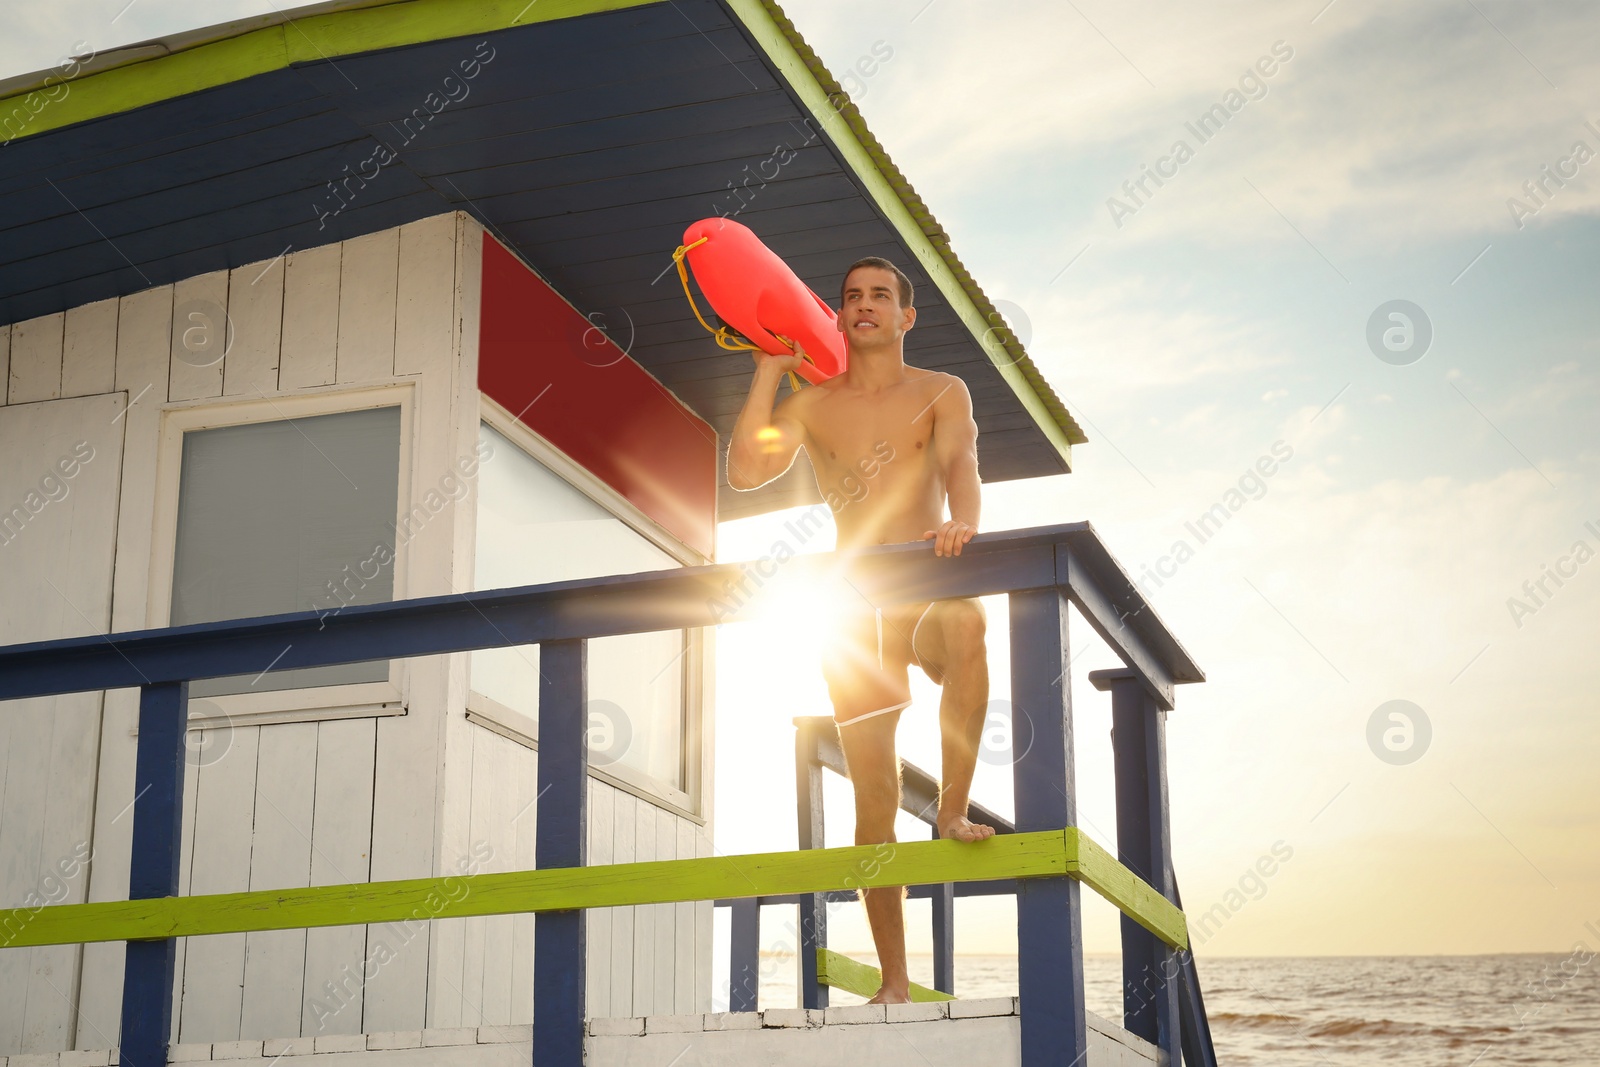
column 1069, row 555
column 1041, row 854
column 1041, row 569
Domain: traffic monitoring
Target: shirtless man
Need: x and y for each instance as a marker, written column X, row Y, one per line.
column 910, row 433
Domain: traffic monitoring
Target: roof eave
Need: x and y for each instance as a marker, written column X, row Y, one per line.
column 832, row 108
column 195, row 60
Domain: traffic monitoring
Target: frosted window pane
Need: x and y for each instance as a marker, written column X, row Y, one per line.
column 533, row 528
column 287, row 516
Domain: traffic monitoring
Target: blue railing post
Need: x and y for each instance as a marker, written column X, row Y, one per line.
column 744, row 955
column 944, row 934
column 560, row 841
column 147, row 976
column 813, row 906
column 1049, row 916
column 1198, row 1050
column 1144, row 846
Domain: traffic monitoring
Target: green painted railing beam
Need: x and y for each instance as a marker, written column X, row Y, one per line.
column 1133, row 896
column 852, row 976
column 1033, row 855
column 559, row 889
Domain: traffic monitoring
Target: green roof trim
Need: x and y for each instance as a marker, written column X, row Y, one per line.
column 831, row 106
column 139, row 75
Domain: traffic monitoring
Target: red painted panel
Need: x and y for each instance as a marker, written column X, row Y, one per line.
column 574, row 387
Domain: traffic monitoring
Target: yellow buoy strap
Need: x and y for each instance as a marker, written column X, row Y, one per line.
column 725, row 338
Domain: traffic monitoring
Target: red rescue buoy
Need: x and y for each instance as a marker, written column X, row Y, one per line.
column 755, row 293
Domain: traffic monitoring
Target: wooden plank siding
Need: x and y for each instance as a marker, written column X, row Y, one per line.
column 494, row 986
column 225, row 805
column 57, row 562
column 310, row 318
column 341, row 843
column 450, row 431
column 140, row 374
column 200, row 336
column 255, row 306
column 89, row 349
column 602, row 850
column 624, row 921
column 368, row 272
column 275, row 805
column 667, row 947
column 36, row 359
column 280, row 858
column 425, row 286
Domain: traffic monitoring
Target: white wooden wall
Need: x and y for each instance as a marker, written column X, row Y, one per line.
column 55, row 581
column 300, row 803
column 640, row 961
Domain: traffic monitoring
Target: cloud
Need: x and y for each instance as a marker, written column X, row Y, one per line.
column 1133, row 332
column 1392, row 124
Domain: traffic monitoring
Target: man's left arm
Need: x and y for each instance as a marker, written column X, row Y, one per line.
column 955, row 449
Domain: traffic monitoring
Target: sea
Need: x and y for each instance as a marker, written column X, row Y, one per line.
column 1328, row 1011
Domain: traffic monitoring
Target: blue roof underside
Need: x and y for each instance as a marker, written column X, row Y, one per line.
column 586, row 144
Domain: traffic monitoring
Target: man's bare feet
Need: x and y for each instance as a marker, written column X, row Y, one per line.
column 953, row 827
column 891, row 996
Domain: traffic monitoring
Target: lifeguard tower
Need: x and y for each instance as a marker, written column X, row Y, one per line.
column 357, row 559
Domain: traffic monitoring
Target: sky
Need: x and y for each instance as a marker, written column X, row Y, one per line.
column 1239, row 310
column 1224, row 313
